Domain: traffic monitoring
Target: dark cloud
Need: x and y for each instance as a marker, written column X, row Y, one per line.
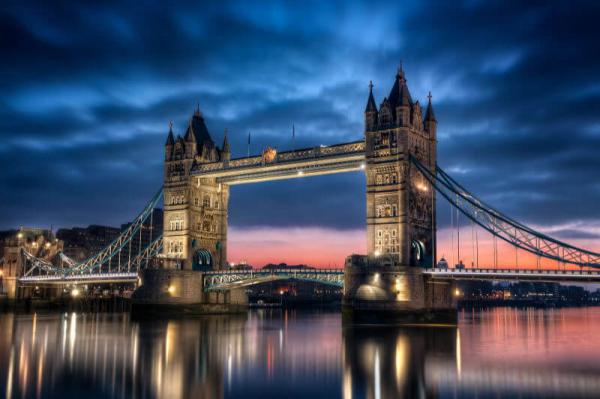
column 87, row 91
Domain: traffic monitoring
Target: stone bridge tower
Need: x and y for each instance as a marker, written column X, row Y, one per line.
column 388, row 284
column 195, row 209
column 400, row 202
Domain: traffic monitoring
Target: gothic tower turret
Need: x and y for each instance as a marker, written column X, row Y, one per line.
column 225, row 151
column 371, row 111
column 400, row 204
column 170, row 143
column 430, row 121
column 195, row 209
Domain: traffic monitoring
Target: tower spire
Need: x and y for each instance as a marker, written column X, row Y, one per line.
column 226, row 143
column 371, row 106
column 429, row 114
column 170, row 138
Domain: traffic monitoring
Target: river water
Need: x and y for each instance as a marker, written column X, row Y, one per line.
column 501, row 352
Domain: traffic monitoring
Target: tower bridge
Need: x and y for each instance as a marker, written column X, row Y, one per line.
column 397, row 153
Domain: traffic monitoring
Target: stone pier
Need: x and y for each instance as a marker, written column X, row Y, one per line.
column 376, row 291
column 174, row 292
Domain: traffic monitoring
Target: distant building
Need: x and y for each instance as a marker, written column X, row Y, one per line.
column 285, row 266
column 40, row 243
column 151, row 229
column 82, row 242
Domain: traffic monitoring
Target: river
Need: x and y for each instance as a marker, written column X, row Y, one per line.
column 499, row 352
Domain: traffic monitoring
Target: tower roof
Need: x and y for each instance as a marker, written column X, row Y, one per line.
column 197, row 131
column 371, row 106
column 429, row 114
column 400, row 95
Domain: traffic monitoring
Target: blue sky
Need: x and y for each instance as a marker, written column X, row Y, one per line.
column 88, row 90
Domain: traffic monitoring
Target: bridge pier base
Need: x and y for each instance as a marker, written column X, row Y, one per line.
column 172, row 292
column 377, row 291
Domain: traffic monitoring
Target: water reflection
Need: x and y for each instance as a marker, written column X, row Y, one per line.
column 274, row 354
column 391, row 362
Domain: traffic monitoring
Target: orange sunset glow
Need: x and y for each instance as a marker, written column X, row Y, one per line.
column 323, row 248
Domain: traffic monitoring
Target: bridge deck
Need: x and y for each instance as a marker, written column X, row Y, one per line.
column 226, row 279
column 94, row 278
column 289, row 164
column 516, row 274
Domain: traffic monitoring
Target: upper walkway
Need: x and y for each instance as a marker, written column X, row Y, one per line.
column 273, row 165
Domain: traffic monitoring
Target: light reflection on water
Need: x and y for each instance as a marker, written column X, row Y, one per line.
column 270, row 354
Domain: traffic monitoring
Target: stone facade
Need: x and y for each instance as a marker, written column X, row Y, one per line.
column 400, row 203
column 195, row 209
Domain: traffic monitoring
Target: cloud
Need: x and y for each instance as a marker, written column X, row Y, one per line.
column 89, row 89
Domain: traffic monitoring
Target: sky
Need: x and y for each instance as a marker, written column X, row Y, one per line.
column 88, row 90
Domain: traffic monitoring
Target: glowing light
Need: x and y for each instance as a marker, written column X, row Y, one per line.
column 281, row 292
column 47, row 245
column 75, row 293
column 422, row 186
column 20, row 235
column 1, row 273
column 171, row 289
column 377, row 253
column 376, row 277
column 362, row 166
column 456, row 292
column 300, row 173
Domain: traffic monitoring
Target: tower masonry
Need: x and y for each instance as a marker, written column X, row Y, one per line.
column 400, row 203
column 195, row 217
column 388, row 282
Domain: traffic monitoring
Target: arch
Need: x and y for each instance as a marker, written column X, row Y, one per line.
column 418, row 253
column 202, row 260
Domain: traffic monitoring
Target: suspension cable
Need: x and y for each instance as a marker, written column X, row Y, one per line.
column 452, row 234
column 501, row 225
